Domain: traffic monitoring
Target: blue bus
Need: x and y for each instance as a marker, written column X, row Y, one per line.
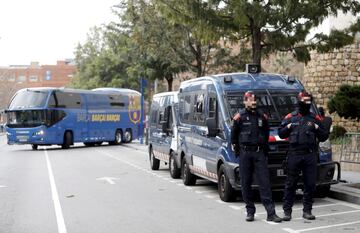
column 62, row 116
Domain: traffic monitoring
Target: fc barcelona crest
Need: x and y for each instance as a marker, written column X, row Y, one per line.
column 134, row 108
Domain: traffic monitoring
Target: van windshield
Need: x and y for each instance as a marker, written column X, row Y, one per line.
column 276, row 104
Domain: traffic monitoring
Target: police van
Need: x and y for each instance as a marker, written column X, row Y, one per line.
column 206, row 108
column 163, row 134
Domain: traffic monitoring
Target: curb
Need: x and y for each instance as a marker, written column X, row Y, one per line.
column 345, row 193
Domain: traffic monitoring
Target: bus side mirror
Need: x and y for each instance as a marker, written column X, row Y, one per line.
column 212, row 127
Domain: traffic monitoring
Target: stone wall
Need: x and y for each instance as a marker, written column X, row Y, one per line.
column 336, row 156
column 326, row 72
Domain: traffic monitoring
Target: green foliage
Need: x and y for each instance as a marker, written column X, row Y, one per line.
column 337, row 132
column 346, row 102
column 277, row 25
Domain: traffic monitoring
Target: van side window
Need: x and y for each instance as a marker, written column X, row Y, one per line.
column 212, row 107
column 186, row 108
column 199, row 108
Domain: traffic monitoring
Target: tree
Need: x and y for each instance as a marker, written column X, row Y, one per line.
column 270, row 25
column 346, row 102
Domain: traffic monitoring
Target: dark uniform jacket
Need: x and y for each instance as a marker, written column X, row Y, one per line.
column 250, row 129
column 302, row 134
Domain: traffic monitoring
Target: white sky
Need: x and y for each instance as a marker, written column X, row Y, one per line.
column 47, row 30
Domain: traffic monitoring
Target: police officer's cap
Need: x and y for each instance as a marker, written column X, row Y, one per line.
column 248, row 94
column 304, row 96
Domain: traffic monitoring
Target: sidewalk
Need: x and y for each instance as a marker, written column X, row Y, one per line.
column 348, row 189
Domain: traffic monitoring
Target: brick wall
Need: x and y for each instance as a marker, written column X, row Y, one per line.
column 326, row 72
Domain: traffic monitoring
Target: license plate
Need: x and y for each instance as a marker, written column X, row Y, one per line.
column 280, row 172
column 22, row 138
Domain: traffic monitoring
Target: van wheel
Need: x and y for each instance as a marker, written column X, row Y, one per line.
column 322, row 191
column 68, row 140
column 187, row 177
column 34, row 146
column 175, row 171
column 128, row 136
column 118, row 138
column 226, row 191
column 154, row 162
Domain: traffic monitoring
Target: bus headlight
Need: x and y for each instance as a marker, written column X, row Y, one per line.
column 41, row 132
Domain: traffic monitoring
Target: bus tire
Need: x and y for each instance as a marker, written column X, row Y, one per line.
column 88, row 144
column 118, row 138
column 68, row 140
column 128, row 136
column 175, row 171
column 154, row 162
column 34, row 146
column 226, row 191
column 187, row 177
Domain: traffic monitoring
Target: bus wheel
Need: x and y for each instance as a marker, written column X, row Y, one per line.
column 68, row 140
column 89, row 144
column 128, row 136
column 154, row 162
column 34, row 146
column 118, row 137
column 175, row 172
column 187, row 177
column 226, row 191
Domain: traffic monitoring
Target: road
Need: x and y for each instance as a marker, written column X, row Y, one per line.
column 108, row 189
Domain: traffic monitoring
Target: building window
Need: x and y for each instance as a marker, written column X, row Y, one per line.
column 21, row 78
column 11, row 78
column 33, row 78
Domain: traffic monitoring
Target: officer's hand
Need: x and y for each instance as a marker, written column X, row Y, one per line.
column 236, row 149
column 288, row 125
column 316, row 126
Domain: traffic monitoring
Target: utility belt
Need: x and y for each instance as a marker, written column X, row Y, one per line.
column 301, row 151
column 254, row 148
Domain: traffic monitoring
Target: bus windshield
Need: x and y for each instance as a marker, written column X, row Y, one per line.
column 276, row 104
column 29, row 99
column 26, row 119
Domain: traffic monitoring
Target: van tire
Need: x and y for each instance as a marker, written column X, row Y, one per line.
column 175, row 171
column 68, row 140
column 226, row 191
column 34, row 146
column 154, row 162
column 322, row 191
column 187, row 177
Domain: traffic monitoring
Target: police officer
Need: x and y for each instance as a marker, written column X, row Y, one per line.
column 303, row 129
column 250, row 133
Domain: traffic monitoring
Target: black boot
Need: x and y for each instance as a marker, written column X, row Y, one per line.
column 308, row 216
column 249, row 217
column 273, row 218
column 287, row 216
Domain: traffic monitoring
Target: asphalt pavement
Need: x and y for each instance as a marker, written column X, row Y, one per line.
column 107, row 189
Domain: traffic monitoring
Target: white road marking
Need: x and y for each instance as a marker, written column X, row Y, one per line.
column 269, row 222
column 2, row 186
column 110, row 180
column 318, row 228
column 58, row 212
column 338, row 213
column 220, row 202
column 210, row 196
column 188, row 188
column 234, row 207
column 300, row 208
column 355, row 206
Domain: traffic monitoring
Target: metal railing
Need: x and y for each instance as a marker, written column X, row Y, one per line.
column 350, row 148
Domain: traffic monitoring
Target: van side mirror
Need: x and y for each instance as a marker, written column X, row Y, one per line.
column 212, row 127
column 165, row 124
